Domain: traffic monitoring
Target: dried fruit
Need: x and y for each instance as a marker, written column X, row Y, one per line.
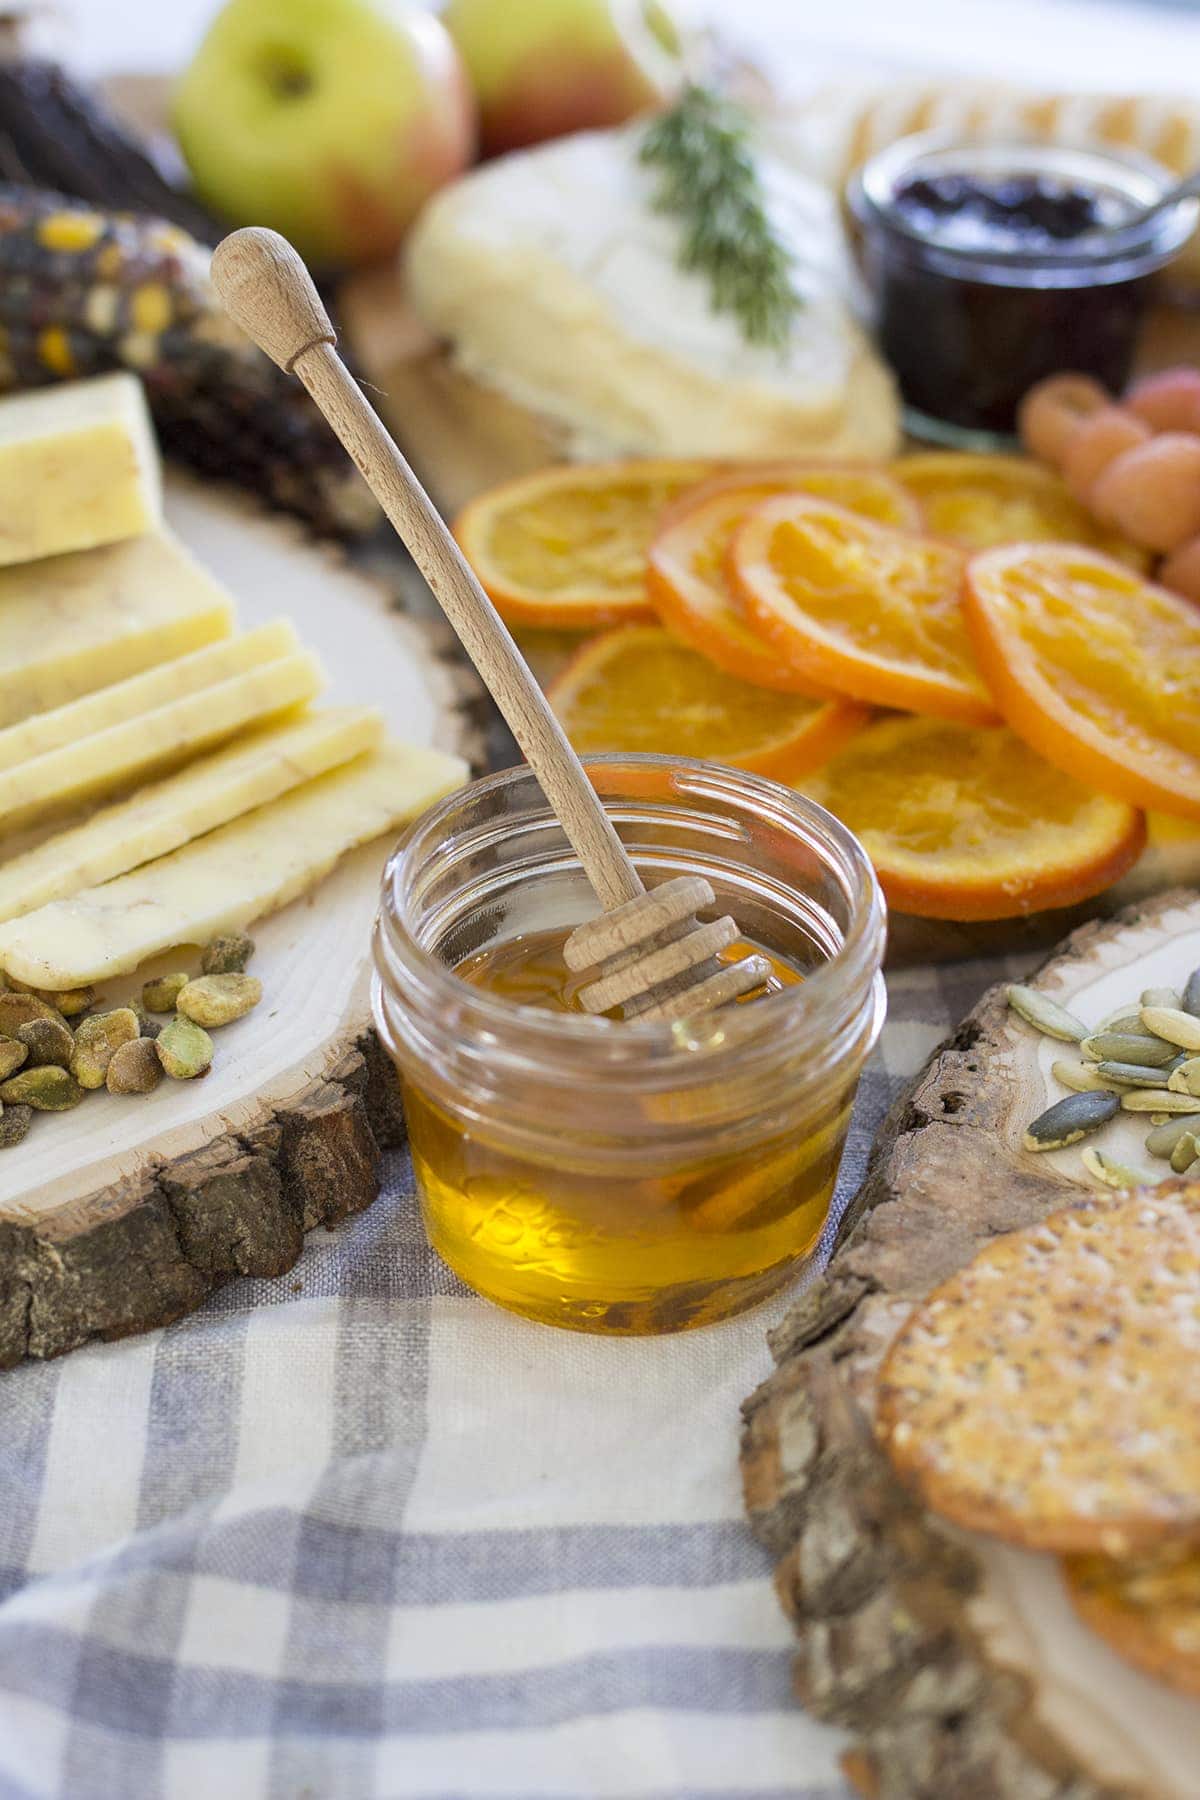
column 49, row 1089
column 1069, row 1120
column 227, row 955
column 14, row 1125
column 12, row 1056
column 160, row 996
column 184, row 1049
column 1052, row 412
column 1046, row 1015
column 1100, row 440
column 134, row 1067
column 47, row 1041
column 1095, row 667
column 863, row 609
column 95, row 1041
column 214, row 1000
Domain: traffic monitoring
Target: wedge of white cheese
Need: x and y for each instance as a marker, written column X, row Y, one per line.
column 555, row 279
column 208, row 793
column 63, row 779
column 74, row 623
column 145, row 693
column 78, row 467
column 225, row 880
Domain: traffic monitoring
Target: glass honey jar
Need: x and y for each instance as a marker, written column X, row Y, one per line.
column 610, row 1176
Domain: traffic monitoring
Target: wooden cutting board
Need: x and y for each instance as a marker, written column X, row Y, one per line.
column 121, row 1215
column 956, row 1662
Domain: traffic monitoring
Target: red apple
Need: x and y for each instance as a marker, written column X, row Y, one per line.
column 331, row 120
column 542, row 68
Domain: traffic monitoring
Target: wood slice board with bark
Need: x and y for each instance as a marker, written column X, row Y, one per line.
column 955, row 1661
column 121, row 1215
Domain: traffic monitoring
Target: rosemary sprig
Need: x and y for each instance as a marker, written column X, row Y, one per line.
column 708, row 178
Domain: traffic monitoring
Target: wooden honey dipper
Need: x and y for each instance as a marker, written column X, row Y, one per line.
column 650, row 954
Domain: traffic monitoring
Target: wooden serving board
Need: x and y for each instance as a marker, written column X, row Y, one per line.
column 121, row 1215
column 956, row 1662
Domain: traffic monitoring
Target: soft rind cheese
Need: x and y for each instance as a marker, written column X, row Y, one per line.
column 151, row 742
column 225, row 880
column 72, row 624
column 78, row 467
column 555, row 280
column 154, row 688
column 208, row 793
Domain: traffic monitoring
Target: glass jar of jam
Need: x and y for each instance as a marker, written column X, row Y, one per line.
column 994, row 265
column 625, row 1177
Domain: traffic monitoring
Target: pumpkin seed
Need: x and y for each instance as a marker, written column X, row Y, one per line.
column 1132, row 1075
column 1157, row 1100
column 1125, row 1018
column 1127, row 1047
column 1163, row 1138
column 1162, row 996
column 1173, row 1024
column 1185, row 1152
column 1112, row 1173
column 1190, row 1001
column 1069, row 1120
column 1083, row 1078
column 1046, row 1015
column 1185, row 1079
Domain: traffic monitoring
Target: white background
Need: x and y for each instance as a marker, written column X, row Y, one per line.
column 1059, row 43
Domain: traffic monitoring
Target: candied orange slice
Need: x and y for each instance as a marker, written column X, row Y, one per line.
column 861, row 487
column 1096, row 667
column 639, row 688
column 865, row 610
column 965, row 822
column 978, row 501
column 567, row 545
column 686, row 578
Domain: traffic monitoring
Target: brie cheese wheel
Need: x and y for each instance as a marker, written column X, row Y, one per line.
column 555, row 280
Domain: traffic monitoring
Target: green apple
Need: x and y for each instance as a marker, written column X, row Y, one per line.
column 331, row 120
column 541, row 68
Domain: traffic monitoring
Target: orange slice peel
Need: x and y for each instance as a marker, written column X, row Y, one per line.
column 566, row 546
column 639, row 688
column 1095, row 667
column 968, row 823
column 864, row 610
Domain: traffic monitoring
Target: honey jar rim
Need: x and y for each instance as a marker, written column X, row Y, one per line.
column 833, row 997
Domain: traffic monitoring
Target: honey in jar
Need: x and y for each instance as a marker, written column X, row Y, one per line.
column 625, row 1177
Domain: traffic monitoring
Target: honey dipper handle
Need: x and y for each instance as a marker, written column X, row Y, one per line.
column 266, row 289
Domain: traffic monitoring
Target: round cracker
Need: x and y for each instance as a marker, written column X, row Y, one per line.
column 1147, row 1609
column 1047, row 1392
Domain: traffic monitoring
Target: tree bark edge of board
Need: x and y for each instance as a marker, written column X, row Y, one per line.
column 875, row 1591
column 239, row 1205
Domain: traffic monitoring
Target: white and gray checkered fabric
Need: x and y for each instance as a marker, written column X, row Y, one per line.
column 355, row 1533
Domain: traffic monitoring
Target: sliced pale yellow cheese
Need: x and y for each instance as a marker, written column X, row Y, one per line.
column 62, row 779
column 208, row 793
column 78, row 467
column 225, row 880
column 75, row 623
column 145, row 693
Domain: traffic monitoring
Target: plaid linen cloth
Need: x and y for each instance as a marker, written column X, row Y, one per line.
column 356, row 1533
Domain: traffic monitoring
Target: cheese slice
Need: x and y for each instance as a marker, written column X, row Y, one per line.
column 145, row 693
column 62, row 779
column 208, row 793
column 75, row 623
column 78, row 467
column 225, row 880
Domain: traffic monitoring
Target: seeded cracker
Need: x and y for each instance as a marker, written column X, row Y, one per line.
column 1047, row 1392
column 1147, row 1609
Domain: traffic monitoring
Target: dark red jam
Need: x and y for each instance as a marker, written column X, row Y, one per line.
column 991, row 269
